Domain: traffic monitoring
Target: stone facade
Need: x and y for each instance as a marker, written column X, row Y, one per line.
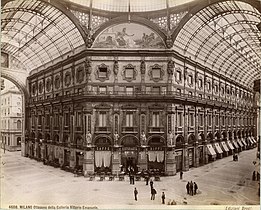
column 147, row 110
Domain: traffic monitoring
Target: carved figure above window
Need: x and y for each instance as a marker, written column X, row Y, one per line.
column 129, row 72
column 103, row 72
column 156, row 73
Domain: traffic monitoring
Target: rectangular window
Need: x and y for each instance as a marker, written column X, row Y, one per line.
column 102, row 119
column 156, row 73
column 178, row 75
column 191, row 119
column 208, row 86
column 190, row 79
column 79, row 119
column 180, row 119
column 47, row 120
column 129, row 119
column 209, row 120
column 156, row 90
column 66, row 119
column 201, row 120
column 178, row 91
column 39, row 120
column 129, row 73
column 56, row 120
column 216, row 88
column 103, row 72
column 200, row 83
column 129, row 90
column 155, row 119
column 216, row 120
column 200, row 96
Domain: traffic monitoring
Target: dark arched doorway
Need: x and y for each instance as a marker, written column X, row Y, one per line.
column 129, row 154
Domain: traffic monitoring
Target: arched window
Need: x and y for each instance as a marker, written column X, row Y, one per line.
column 19, row 125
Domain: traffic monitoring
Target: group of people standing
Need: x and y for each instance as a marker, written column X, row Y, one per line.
column 153, row 193
column 192, row 188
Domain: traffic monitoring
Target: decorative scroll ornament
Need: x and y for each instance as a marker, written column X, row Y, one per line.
column 142, row 67
column 170, row 67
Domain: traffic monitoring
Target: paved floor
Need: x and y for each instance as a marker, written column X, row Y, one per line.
column 27, row 182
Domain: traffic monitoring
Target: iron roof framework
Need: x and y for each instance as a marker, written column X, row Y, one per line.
column 130, row 5
column 36, row 32
column 224, row 37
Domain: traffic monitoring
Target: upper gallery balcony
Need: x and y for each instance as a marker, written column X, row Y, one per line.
column 140, row 95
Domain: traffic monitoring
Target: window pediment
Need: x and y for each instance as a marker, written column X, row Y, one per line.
column 102, row 72
column 156, row 73
column 129, row 72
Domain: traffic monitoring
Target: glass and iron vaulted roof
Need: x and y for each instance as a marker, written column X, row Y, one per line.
column 35, row 32
column 130, row 5
column 225, row 37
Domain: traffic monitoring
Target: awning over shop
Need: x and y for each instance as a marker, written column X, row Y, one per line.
column 224, row 146
column 211, row 150
column 243, row 141
column 230, row 146
column 253, row 139
column 235, row 144
column 240, row 143
column 219, row 150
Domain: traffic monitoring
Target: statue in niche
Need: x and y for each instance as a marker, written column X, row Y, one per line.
column 87, row 66
column 143, row 138
column 89, row 138
column 170, row 138
column 116, row 67
column 170, row 67
column 142, row 67
column 116, row 138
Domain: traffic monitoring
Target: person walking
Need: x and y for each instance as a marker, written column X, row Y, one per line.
column 151, row 183
column 153, row 193
column 195, row 188
column 135, row 194
column 191, row 188
column 188, row 187
column 181, row 174
column 163, row 198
